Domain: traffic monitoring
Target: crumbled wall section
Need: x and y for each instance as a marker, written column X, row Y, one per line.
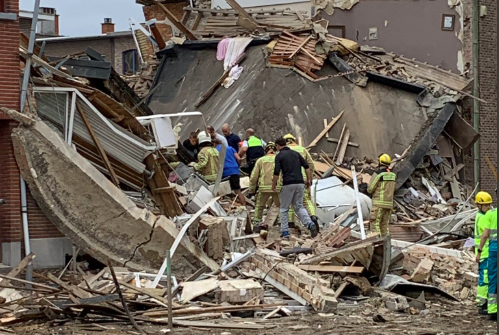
column 155, row 12
column 488, row 91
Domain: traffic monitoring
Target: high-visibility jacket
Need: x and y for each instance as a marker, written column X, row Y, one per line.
column 382, row 188
column 255, row 149
column 480, row 225
column 306, row 155
column 491, row 223
column 263, row 174
column 208, row 163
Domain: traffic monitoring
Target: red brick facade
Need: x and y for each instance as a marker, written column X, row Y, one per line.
column 10, row 189
column 155, row 12
column 488, row 91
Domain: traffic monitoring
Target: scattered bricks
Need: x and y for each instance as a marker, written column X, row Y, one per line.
column 464, row 293
column 239, row 291
column 422, row 272
column 217, row 236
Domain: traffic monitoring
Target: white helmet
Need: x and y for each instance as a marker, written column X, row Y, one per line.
column 204, row 138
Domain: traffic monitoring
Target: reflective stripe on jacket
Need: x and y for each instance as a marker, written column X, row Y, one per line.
column 208, row 163
column 382, row 188
column 480, row 225
column 263, row 174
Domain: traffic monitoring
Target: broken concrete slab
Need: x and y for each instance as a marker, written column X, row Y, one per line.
column 96, row 215
column 423, row 143
column 422, row 272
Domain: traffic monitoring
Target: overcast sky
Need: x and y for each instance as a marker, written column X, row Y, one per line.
column 84, row 17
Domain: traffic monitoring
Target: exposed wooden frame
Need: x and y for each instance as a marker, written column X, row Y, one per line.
column 98, row 145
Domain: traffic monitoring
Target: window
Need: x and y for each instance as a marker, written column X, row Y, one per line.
column 338, row 31
column 130, row 62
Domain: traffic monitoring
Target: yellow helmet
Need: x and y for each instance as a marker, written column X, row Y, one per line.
column 385, row 159
column 483, row 198
column 271, row 146
column 290, row 138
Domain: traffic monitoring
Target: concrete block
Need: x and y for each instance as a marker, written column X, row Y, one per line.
column 50, row 252
column 239, row 291
column 422, row 272
column 11, row 253
column 217, row 236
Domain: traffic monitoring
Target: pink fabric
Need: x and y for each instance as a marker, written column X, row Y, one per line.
column 223, row 46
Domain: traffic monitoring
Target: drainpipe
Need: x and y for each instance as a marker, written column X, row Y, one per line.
column 24, row 211
column 476, row 88
column 24, row 91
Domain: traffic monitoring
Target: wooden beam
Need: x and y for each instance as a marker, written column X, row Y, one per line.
column 169, row 15
column 217, row 84
column 98, row 145
column 332, row 269
column 103, row 106
column 147, row 292
column 343, row 148
column 19, row 268
column 328, row 128
column 300, row 46
column 336, row 140
column 339, row 141
column 245, row 20
column 491, row 167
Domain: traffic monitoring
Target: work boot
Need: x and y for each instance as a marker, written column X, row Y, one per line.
column 315, row 220
column 285, row 235
column 482, row 310
column 492, row 317
column 313, row 229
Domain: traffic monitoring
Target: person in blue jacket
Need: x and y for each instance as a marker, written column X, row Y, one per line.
column 231, row 170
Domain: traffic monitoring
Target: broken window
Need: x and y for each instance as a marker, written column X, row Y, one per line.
column 130, row 61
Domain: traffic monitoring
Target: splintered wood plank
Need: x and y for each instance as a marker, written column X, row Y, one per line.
column 328, row 128
column 332, row 269
column 340, row 141
column 343, row 148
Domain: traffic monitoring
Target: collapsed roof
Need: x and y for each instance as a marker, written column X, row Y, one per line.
column 276, row 101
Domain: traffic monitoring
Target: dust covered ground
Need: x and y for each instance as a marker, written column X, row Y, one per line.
column 441, row 318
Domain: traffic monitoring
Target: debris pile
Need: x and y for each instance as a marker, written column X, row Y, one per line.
column 88, row 134
column 142, row 82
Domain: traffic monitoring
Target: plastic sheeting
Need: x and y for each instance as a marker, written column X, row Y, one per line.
column 339, row 195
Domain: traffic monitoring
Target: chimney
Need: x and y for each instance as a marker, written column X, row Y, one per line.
column 49, row 27
column 107, row 26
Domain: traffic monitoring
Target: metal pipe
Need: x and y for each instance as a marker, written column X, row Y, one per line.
column 24, row 212
column 24, row 92
column 476, row 89
column 360, row 218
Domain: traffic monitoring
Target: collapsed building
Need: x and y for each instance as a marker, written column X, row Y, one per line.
column 105, row 165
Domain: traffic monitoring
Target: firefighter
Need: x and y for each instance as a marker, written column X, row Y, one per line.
column 208, row 157
column 490, row 235
column 382, row 188
column 261, row 180
column 307, row 200
column 483, row 201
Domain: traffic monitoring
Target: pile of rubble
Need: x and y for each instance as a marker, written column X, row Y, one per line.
column 112, row 176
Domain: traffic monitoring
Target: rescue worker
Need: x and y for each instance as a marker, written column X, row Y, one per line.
column 490, row 235
column 382, row 188
column 261, row 181
column 208, row 157
column 307, row 200
column 483, row 200
column 253, row 148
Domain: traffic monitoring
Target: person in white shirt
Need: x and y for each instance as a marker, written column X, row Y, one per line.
column 215, row 135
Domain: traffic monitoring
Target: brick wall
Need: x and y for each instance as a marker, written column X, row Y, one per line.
column 112, row 48
column 10, row 189
column 488, row 91
column 123, row 44
column 155, row 12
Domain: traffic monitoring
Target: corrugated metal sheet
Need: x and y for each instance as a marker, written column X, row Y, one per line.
column 52, row 106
